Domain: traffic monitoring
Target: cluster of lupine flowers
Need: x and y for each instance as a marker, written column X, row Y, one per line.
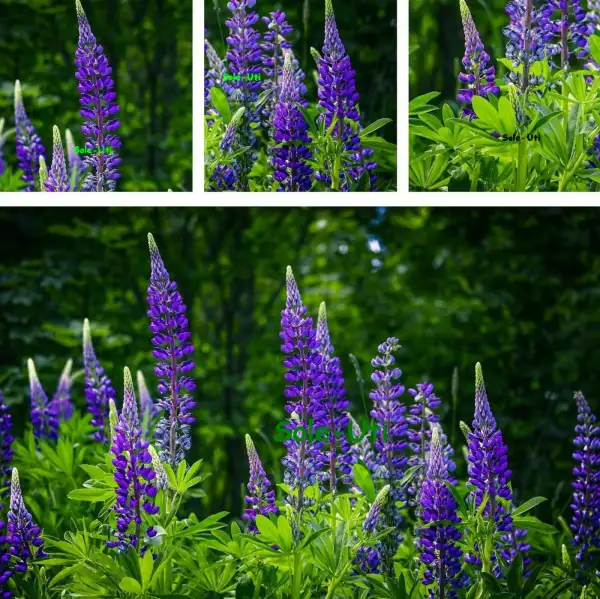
column 315, row 390
column 97, row 171
column 274, row 104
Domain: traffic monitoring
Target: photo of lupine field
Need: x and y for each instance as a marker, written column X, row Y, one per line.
column 95, row 96
column 504, row 95
column 300, row 96
column 143, row 377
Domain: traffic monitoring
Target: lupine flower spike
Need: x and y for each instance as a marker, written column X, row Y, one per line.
column 98, row 107
column 172, row 349
column 162, row 482
column 43, row 414
column 147, row 407
column 6, row 451
column 2, row 140
column 29, row 144
column 390, row 460
column 586, row 484
column 62, row 398
column 290, row 129
column 57, row 178
column 133, row 474
column 334, row 405
column 480, row 79
column 438, row 539
column 260, row 498
column 302, row 362
column 113, row 419
column 367, row 558
column 26, row 542
column 96, row 385
column 43, row 174
column 75, row 164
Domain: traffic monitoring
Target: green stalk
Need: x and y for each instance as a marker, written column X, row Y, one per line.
column 522, row 166
column 336, row 581
column 569, row 174
column 297, row 576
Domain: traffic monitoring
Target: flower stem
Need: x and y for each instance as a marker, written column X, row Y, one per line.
column 522, row 166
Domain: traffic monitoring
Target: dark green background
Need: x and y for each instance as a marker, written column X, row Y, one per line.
column 437, row 42
column 367, row 29
column 148, row 43
column 515, row 289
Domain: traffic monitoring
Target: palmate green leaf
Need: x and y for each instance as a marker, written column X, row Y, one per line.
column 467, row 124
column 507, row 117
column 421, row 101
column 364, row 480
column 530, row 523
column 130, row 585
column 91, row 495
column 220, row 102
column 374, row 126
column 486, row 113
column 285, row 534
column 267, row 528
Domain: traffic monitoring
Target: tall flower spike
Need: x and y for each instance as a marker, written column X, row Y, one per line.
column 214, row 69
column 113, row 419
column 162, row 482
column 243, row 57
column 302, row 362
column 43, row 414
column 147, row 407
column 133, row 474
column 43, row 172
column 390, row 460
column 260, row 498
column 98, row 108
column 332, row 411
column 438, row 539
column 488, row 463
column 2, row 140
column 97, row 387
column 586, row 484
column 290, row 129
column 57, row 178
column 75, row 164
column 370, row 523
column 6, row 440
column 479, row 78
column 29, row 144
column 527, row 41
column 172, row 348
column 26, row 542
column 62, row 398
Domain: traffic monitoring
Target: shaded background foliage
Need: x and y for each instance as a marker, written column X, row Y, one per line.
column 148, row 43
column 437, row 43
column 367, row 29
column 515, row 289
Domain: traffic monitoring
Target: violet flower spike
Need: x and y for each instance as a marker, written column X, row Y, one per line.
column 390, row 444
column 76, row 167
column 147, row 407
column 62, row 398
column 438, row 540
column 172, row 348
column 290, row 129
column 260, row 498
column 2, row 141
column 57, row 177
column 43, row 414
column 28, row 143
column 303, row 376
column 26, row 542
column 480, row 79
column 586, row 484
column 98, row 107
column 6, row 451
column 97, row 387
column 133, row 474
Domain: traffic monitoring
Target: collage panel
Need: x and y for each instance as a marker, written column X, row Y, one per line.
column 504, row 96
column 96, row 96
column 300, row 96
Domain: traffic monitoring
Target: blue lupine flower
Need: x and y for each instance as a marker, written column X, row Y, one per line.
column 57, row 177
column 43, row 414
column 172, row 348
column 97, row 387
column 62, row 398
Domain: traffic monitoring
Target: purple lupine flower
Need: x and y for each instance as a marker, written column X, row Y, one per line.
column 372, row 518
column 57, row 177
column 162, row 482
column 134, row 474
column 290, row 129
column 147, row 407
column 213, row 75
column 98, row 107
column 61, row 401
column 260, row 498
column 438, row 539
column 2, row 140
column 243, row 56
column 333, row 407
column 390, row 460
column 172, row 348
column 480, row 79
column 96, row 385
column 43, row 414
column 586, row 484
column 488, row 464
column 28, row 142
column 423, row 420
column 303, row 377
column 24, row 537
column 225, row 176
column 361, row 448
column 526, row 44
column 76, row 167
column 6, row 451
